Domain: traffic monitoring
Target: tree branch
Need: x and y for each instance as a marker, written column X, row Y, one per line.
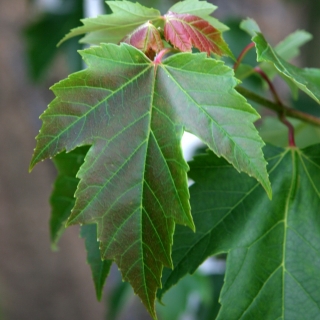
column 289, row 112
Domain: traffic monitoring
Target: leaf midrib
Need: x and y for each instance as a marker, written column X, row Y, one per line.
column 294, row 177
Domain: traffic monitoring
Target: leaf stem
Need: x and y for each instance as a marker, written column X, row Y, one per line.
column 281, row 114
column 279, row 108
column 242, row 55
column 270, row 84
column 290, row 127
column 158, row 58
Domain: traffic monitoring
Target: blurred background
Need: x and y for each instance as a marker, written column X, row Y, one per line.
column 35, row 282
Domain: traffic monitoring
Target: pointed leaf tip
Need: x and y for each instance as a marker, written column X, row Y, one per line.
column 305, row 79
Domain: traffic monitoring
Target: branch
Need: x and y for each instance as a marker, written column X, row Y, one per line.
column 292, row 113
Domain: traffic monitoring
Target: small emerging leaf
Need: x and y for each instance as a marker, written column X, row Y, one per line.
column 185, row 31
column 146, row 38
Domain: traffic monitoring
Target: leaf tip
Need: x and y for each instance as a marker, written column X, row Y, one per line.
column 32, row 163
column 269, row 191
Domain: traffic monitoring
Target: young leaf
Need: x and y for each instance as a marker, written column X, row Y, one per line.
column 111, row 28
column 273, row 247
column 307, row 80
column 146, row 38
column 287, row 48
column 99, row 268
column 133, row 182
column 62, row 198
column 185, row 31
column 201, row 9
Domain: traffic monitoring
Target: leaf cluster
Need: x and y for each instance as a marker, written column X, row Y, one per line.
column 114, row 132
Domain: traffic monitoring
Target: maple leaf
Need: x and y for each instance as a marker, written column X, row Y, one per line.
column 133, row 182
column 146, row 38
column 273, row 246
column 185, row 31
column 306, row 79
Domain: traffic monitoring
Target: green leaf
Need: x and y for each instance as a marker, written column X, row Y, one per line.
column 307, row 79
column 201, row 9
column 273, row 247
column 99, row 268
column 250, row 26
column 195, row 7
column 133, row 181
column 112, row 28
column 289, row 48
column 62, row 198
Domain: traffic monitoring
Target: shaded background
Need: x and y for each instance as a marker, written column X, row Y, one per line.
column 35, row 282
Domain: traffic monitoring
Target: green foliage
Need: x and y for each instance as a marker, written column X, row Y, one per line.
column 307, row 79
column 114, row 131
column 265, row 241
column 100, row 268
column 62, row 198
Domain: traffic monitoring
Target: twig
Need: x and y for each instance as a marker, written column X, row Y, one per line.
column 279, row 108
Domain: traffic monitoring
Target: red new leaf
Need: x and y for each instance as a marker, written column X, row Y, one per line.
column 185, row 31
column 146, row 38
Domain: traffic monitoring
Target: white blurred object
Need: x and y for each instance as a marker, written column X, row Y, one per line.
column 48, row 5
column 189, row 144
column 92, row 8
column 213, row 266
